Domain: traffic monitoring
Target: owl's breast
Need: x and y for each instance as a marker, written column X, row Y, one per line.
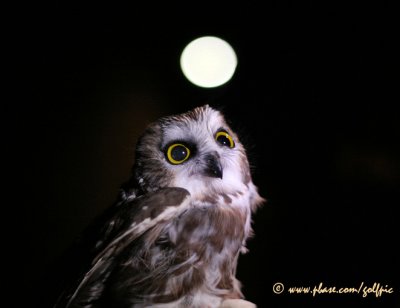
column 209, row 229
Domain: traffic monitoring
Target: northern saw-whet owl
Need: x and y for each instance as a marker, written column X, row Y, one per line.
column 174, row 237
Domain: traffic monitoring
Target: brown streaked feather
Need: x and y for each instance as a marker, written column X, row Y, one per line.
column 198, row 244
column 125, row 227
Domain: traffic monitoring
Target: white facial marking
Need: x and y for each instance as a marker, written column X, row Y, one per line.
column 188, row 175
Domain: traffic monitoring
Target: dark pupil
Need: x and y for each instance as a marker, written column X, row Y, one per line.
column 179, row 153
column 224, row 140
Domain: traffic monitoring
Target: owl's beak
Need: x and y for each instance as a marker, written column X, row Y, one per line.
column 213, row 166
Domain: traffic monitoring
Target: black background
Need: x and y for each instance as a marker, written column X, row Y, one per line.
column 314, row 99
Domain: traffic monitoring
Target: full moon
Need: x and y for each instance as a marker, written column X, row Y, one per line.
column 208, row 62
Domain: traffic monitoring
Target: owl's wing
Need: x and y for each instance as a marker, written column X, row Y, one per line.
column 127, row 223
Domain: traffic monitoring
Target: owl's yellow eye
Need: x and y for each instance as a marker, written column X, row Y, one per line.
column 224, row 139
column 177, row 153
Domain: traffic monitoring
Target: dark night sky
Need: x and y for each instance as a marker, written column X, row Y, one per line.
column 314, row 99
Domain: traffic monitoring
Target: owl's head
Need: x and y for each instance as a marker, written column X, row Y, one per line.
column 196, row 150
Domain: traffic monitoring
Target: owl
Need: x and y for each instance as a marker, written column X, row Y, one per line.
column 174, row 236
